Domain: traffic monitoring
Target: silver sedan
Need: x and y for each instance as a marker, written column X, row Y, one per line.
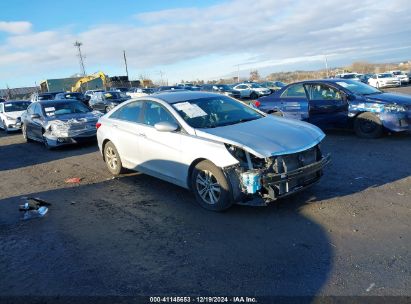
column 224, row 151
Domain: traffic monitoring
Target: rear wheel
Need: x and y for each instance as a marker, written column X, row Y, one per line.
column 367, row 125
column 112, row 159
column 211, row 187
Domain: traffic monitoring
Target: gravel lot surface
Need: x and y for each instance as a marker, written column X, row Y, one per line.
column 136, row 235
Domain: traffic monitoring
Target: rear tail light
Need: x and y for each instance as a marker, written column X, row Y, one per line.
column 98, row 125
column 257, row 103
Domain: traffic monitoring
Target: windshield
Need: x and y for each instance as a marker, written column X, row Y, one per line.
column 45, row 97
column 385, row 75
column 16, row 106
column 223, row 87
column 212, row 112
column 357, row 87
column 349, row 76
column 63, row 108
column 396, row 73
column 78, row 96
column 255, row 85
column 280, row 84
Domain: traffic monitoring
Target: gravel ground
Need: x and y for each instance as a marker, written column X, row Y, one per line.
column 136, row 235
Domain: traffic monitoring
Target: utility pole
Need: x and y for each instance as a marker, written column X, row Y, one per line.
column 326, row 64
column 78, row 45
column 125, row 62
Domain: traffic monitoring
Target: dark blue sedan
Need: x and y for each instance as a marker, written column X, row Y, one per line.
column 341, row 103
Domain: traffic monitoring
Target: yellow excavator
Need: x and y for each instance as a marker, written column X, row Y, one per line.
column 83, row 81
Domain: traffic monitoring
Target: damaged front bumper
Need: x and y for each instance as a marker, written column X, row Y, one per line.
column 278, row 184
column 283, row 176
column 60, row 133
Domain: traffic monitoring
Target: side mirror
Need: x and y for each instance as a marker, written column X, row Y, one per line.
column 165, row 126
column 35, row 116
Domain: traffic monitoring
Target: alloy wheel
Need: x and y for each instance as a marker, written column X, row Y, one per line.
column 111, row 158
column 208, row 187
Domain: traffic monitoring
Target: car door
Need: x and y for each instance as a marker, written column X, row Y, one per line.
column 161, row 151
column 35, row 125
column 294, row 102
column 125, row 124
column 327, row 107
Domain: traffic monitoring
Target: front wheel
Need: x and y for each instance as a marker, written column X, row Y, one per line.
column 253, row 95
column 112, row 159
column 367, row 125
column 5, row 127
column 24, row 132
column 211, row 187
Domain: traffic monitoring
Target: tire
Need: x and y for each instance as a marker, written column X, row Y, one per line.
column 24, row 132
column 112, row 159
column 210, row 186
column 377, row 85
column 46, row 144
column 253, row 95
column 5, row 127
column 367, row 125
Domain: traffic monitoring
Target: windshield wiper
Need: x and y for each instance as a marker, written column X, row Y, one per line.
column 373, row 93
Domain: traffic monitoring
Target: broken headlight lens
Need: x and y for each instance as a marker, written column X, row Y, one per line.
column 394, row 108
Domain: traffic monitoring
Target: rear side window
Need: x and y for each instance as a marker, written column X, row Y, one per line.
column 296, row 90
column 129, row 112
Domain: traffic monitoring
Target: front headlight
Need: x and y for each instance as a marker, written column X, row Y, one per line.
column 394, row 108
column 10, row 118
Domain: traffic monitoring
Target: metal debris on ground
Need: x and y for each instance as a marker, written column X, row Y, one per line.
column 34, row 207
column 370, row 287
column 73, row 180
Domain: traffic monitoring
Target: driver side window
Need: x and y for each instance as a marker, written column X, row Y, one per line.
column 155, row 113
column 323, row 92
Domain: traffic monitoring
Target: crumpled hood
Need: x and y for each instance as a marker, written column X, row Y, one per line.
column 84, row 117
column 14, row 115
column 401, row 99
column 267, row 136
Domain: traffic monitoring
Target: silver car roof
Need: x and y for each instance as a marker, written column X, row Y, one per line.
column 174, row 97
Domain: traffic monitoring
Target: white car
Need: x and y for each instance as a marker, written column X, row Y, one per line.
column 10, row 114
column 224, row 151
column 250, row 90
column 351, row 76
column 383, row 80
column 401, row 76
column 136, row 92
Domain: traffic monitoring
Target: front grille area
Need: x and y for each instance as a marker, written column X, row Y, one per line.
column 288, row 163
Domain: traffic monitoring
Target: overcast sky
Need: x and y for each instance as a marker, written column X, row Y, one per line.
column 196, row 39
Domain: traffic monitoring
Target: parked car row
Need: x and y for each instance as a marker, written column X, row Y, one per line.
column 222, row 149
column 379, row 80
